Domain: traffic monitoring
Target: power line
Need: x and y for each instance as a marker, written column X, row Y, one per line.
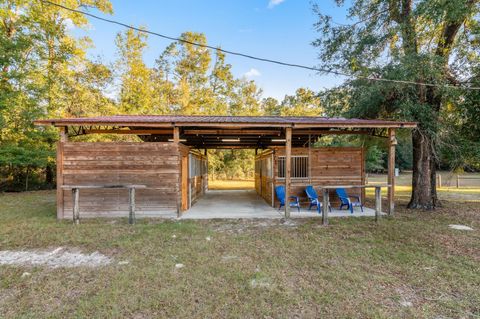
column 294, row 65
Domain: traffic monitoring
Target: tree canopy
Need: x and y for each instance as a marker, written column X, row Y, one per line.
column 47, row 72
column 432, row 43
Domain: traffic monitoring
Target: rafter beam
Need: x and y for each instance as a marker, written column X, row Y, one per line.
column 131, row 132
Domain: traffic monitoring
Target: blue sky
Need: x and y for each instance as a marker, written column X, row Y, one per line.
column 276, row 29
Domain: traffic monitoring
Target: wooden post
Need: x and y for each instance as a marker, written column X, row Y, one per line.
column 325, row 204
column 60, row 193
column 176, row 135
column 378, row 202
column 439, row 185
column 458, row 181
column 176, row 140
column 288, row 169
column 273, row 176
column 63, row 134
column 392, row 141
column 309, row 159
column 76, row 208
column 131, row 201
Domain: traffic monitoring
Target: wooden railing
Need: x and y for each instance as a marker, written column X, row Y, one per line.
column 326, row 198
column 458, row 179
column 76, row 195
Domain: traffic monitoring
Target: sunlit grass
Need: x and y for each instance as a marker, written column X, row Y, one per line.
column 230, row 184
column 402, row 190
column 355, row 268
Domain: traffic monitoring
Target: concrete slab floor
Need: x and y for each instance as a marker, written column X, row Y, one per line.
column 234, row 204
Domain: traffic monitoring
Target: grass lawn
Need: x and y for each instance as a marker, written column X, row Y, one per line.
column 230, row 184
column 410, row 266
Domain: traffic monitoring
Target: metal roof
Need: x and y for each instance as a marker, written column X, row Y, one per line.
column 223, row 121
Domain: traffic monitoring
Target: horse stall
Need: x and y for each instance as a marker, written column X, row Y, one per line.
column 318, row 167
column 169, row 177
column 162, row 171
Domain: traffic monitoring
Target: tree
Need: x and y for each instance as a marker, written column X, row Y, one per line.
column 38, row 57
column 222, row 84
column 305, row 102
column 136, row 93
column 245, row 99
column 422, row 41
column 270, row 106
column 187, row 66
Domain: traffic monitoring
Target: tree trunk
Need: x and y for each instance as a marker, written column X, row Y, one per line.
column 424, row 191
column 26, row 179
column 49, row 175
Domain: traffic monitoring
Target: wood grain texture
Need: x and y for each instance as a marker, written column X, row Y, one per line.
column 155, row 165
column 392, row 142
column 288, row 167
column 328, row 166
column 60, row 181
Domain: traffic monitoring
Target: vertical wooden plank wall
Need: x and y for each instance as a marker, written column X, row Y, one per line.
column 264, row 183
column 198, row 184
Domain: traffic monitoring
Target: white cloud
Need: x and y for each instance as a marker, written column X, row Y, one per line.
column 252, row 72
column 273, row 3
column 68, row 23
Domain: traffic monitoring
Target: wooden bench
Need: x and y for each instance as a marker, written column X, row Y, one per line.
column 326, row 198
column 76, row 194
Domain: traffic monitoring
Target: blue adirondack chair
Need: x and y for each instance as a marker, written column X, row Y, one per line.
column 345, row 200
column 313, row 199
column 280, row 191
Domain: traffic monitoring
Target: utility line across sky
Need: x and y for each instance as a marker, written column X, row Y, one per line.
column 293, row 65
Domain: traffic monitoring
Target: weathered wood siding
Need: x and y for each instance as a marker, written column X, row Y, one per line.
column 264, row 178
column 156, row 165
column 198, row 183
column 327, row 166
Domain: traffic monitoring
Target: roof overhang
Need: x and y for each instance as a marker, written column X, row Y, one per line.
column 226, row 132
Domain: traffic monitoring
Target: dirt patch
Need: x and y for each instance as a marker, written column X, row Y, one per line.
column 56, row 258
column 460, row 227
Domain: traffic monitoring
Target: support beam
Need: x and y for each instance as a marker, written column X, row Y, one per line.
column 176, row 135
column 232, row 132
column 180, row 196
column 63, row 134
column 392, row 142
column 288, row 168
column 378, row 202
column 59, row 162
column 325, row 205
column 131, row 201
column 129, row 132
column 76, row 207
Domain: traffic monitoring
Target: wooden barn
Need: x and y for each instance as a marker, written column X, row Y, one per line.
column 165, row 173
column 319, row 167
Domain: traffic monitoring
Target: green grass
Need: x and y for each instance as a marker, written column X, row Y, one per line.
column 353, row 268
column 230, row 184
column 444, row 193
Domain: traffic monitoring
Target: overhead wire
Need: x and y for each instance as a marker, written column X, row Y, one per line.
column 248, row 56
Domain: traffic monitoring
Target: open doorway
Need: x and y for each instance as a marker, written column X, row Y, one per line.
column 231, row 169
column 231, row 189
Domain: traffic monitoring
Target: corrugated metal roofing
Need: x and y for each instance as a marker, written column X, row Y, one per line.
column 209, row 120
